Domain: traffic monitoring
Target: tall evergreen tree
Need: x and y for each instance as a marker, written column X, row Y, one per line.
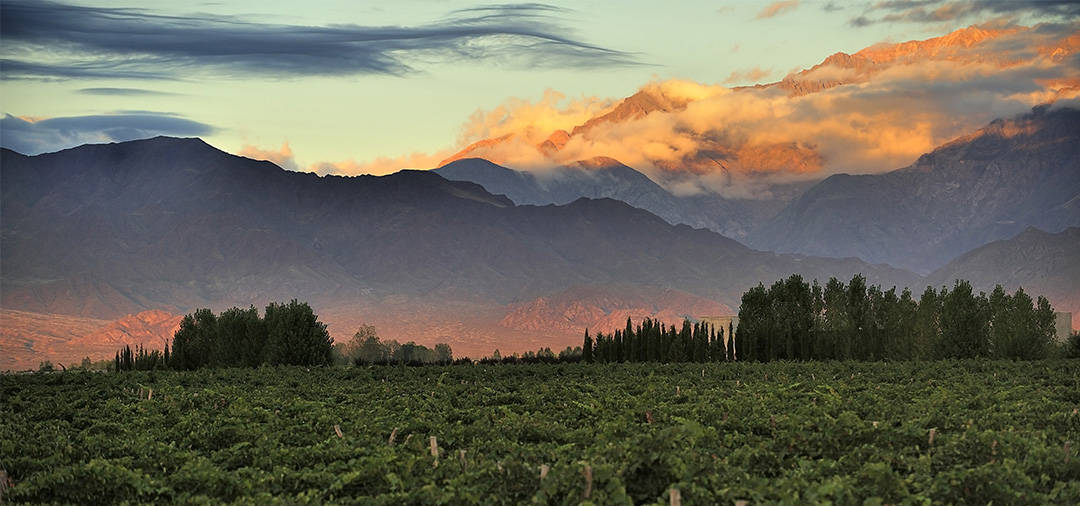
column 587, row 348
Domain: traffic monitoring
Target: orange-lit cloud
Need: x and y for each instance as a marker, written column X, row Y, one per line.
column 532, row 122
column 748, row 76
column 777, row 8
column 284, row 158
column 381, row 165
column 873, row 111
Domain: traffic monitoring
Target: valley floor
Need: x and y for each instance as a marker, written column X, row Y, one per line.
column 950, row 432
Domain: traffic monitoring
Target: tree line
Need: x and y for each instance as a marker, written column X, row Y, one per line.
column 285, row 334
column 654, row 341
column 796, row 320
column 139, row 359
column 790, row 320
column 365, row 348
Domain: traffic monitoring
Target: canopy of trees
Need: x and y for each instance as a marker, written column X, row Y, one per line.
column 288, row 334
column 795, row 320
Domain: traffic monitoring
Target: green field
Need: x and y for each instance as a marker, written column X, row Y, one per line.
column 850, row 433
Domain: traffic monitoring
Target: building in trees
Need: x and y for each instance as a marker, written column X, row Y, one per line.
column 1063, row 325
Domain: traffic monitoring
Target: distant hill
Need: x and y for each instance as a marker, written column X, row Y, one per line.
column 1040, row 262
column 986, row 186
column 27, row 339
column 108, row 230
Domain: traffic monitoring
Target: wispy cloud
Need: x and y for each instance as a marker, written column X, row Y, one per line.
column 99, row 42
column 937, row 11
column 124, row 92
column 40, row 135
column 777, row 8
column 751, row 76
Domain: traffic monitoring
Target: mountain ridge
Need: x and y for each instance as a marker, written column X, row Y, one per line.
column 981, row 187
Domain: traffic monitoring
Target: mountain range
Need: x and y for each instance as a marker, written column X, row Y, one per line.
column 103, row 231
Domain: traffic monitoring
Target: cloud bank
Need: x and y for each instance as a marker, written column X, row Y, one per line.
column 49, row 40
column 873, row 111
column 31, row 136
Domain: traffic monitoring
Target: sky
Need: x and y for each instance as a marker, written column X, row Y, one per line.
column 354, row 87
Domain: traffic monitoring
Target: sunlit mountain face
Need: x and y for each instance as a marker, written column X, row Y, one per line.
column 507, row 176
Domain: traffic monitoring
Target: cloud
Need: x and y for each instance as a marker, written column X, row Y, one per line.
column 32, row 136
column 532, row 122
column 938, row 11
column 381, row 165
column 750, row 76
column 777, row 8
column 124, row 92
column 858, row 113
column 68, row 41
column 284, row 157
column 102, row 68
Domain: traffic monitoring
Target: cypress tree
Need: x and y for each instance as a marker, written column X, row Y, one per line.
column 587, row 348
column 673, row 348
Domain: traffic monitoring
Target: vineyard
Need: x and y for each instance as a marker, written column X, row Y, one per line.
column 716, row 433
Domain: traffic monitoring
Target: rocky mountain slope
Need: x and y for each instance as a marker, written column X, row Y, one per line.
column 1042, row 263
column 27, row 339
column 983, row 187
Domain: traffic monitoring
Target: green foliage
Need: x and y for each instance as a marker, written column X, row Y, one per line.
column 792, row 320
column 241, row 338
column 288, row 334
column 787, row 432
column 365, row 348
column 964, row 324
column 295, row 336
column 1072, row 347
column 140, row 359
